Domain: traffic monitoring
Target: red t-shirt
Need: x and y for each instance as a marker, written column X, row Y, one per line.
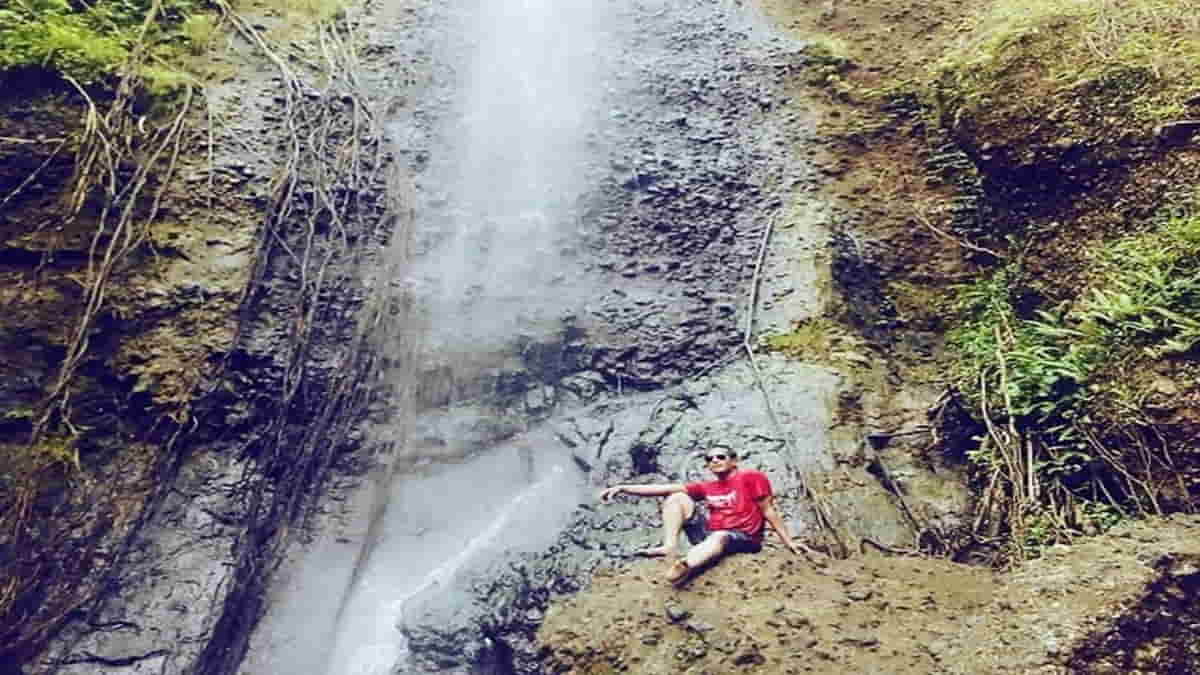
column 733, row 502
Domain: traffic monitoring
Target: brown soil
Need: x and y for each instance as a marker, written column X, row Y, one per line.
column 945, row 201
column 878, row 155
column 1088, row 608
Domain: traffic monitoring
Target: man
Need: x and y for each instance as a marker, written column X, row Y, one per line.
column 740, row 504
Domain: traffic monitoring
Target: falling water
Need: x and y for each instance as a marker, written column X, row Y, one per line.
column 513, row 164
column 495, row 241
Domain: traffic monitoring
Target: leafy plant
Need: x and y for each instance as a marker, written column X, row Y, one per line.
column 92, row 42
column 50, row 34
column 1043, row 383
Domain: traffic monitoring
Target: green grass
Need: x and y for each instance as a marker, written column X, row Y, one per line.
column 92, row 43
column 1143, row 51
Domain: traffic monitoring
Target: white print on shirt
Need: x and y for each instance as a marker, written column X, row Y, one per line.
column 721, row 501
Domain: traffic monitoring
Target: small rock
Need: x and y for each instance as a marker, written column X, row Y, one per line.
column 677, row 613
column 797, row 621
column 861, row 640
column 749, row 656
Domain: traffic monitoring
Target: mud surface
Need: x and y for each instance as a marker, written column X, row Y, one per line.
column 1081, row 609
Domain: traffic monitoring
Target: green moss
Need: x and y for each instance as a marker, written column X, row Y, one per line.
column 25, row 462
column 317, row 10
column 198, row 31
column 817, row 340
column 58, row 449
column 812, row 340
column 828, row 50
column 92, row 43
column 921, row 305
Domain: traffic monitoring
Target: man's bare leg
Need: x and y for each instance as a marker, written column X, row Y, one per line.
column 700, row 554
column 676, row 509
column 707, row 550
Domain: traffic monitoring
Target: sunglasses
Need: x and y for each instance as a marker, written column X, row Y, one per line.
column 717, row 457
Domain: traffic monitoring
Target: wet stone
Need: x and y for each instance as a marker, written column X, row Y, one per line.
column 676, row 613
column 750, row 656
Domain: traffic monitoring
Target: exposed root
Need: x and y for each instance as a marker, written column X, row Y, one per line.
column 326, row 211
column 323, row 209
column 817, row 500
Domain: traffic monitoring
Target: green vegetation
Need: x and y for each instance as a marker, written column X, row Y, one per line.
column 828, row 58
column 92, row 43
column 809, row 339
column 315, row 10
column 817, row 340
column 1141, row 55
column 1062, row 392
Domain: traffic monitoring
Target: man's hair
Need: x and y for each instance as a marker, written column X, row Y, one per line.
column 732, row 453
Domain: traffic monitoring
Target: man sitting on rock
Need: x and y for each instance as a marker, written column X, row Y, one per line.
column 739, row 502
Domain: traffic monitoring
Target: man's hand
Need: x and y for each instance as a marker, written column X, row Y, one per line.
column 813, row 556
column 608, row 493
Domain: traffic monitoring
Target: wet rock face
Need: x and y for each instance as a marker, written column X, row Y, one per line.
column 645, row 438
column 690, row 157
column 97, row 469
column 701, row 160
column 857, row 272
column 166, row 533
column 697, row 156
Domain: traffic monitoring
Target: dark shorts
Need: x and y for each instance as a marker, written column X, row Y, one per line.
column 696, row 529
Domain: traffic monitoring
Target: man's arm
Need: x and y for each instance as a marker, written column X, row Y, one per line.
column 769, row 512
column 653, row 490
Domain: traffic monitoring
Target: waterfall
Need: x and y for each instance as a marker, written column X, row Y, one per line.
column 592, row 181
column 509, row 167
column 495, row 237
column 436, row 525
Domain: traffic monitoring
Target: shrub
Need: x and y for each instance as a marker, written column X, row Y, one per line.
column 1060, row 391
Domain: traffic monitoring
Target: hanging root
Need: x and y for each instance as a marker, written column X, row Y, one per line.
column 323, row 218
column 822, row 511
column 121, row 174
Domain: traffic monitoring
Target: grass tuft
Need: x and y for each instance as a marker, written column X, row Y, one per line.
column 1144, row 52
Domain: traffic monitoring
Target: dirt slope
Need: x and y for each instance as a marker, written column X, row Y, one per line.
column 1081, row 609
